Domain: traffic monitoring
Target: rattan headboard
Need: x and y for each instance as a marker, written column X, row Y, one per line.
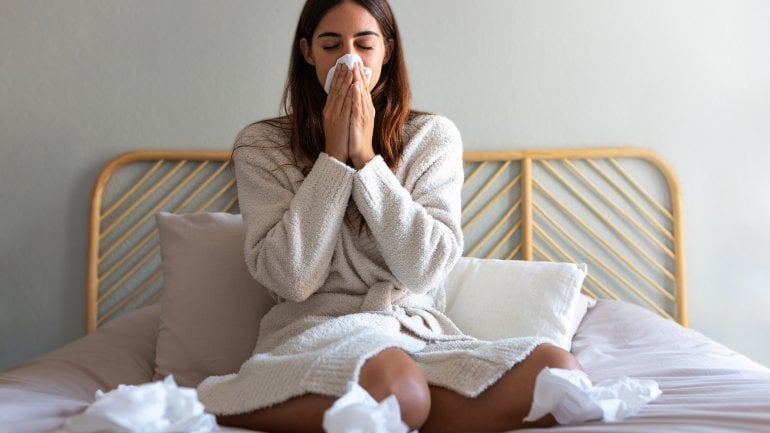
column 617, row 209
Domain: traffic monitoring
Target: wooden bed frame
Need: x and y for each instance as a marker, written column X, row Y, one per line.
column 618, row 209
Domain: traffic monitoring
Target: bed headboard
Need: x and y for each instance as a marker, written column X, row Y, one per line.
column 618, row 209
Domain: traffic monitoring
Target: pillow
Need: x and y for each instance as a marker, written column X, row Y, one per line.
column 211, row 305
column 494, row 299
column 584, row 302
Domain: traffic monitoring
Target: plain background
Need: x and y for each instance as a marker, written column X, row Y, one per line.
column 82, row 81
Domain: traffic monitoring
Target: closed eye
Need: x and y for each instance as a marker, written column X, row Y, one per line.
column 334, row 47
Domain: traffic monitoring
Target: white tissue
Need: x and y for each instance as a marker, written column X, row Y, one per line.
column 157, row 407
column 358, row 412
column 349, row 60
column 571, row 398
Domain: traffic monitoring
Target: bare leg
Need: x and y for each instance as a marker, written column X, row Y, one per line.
column 389, row 372
column 299, row 414
column 393, row 372
column 503, row 405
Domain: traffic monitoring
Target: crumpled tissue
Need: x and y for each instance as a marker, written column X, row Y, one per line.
column 157, row 407
column 571, row 398
column 359, row 412
column 349, row 60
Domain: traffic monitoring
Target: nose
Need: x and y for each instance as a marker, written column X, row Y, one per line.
column 349, row 48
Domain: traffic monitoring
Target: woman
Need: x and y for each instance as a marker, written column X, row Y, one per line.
column 351, row 204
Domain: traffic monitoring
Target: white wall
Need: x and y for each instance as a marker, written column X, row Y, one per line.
column 81, row 81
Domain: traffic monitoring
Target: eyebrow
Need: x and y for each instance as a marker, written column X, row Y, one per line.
column 337, row 35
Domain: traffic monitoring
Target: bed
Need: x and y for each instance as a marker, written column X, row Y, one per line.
column 618, row 210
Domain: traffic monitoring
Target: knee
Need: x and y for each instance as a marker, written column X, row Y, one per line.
column 393, row 372
column 548, row 355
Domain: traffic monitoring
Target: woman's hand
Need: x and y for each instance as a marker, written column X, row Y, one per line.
column 360, row 147
column 336, row 114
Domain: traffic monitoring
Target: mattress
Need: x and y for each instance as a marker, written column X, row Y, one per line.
column 707, row 388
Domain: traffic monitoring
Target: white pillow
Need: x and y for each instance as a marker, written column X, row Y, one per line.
column 494, row 299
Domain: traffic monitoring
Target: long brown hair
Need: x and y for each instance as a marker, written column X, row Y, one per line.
column 304, row 98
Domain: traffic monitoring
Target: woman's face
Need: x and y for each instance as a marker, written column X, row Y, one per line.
column 347, row 28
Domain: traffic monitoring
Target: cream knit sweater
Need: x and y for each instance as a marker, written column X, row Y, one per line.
column 344, row 293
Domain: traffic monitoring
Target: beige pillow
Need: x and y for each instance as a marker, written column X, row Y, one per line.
column 493, row 299
column 211, row 305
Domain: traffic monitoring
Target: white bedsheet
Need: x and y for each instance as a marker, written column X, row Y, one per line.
column 707, row 388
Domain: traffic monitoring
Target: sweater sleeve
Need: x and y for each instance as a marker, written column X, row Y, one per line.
column 290, row 234
column 417, row 226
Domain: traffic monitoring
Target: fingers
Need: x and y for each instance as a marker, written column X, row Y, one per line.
column 356, row 93
column 361, row 121
column 348, row 99
column 349, row 116
column 363, row 106
column 340, row 73
column 336, row 114
column 339, row 88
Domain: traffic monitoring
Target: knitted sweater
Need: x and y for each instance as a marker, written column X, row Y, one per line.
column 356, row 261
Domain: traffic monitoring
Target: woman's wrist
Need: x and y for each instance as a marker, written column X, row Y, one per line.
column 339, row 156
column 360, row 160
